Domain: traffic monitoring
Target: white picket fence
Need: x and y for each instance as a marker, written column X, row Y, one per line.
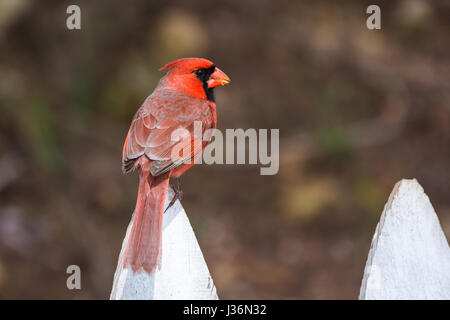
column 409, row 257
column 183, row 274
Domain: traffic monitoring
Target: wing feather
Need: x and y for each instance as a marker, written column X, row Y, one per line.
column 153, row 131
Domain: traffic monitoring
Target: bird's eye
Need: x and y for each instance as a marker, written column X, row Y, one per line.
column 200, row 72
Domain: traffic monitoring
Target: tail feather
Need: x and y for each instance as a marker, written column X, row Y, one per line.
column 143, row 250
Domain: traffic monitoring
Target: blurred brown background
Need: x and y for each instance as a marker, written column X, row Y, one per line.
column 357, row 111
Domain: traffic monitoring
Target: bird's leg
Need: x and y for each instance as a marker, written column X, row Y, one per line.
column 177, row 190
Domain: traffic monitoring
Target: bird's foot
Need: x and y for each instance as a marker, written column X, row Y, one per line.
column 178, row 194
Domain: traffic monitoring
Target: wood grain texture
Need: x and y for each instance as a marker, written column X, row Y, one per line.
column 409, row 257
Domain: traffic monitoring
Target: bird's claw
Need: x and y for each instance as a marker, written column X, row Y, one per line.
column 177, row 196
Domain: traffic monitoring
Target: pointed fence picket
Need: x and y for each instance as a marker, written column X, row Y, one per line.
column 409, row 257
column 183, row 274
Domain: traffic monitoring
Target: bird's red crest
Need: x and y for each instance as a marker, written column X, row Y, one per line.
column 188, row 63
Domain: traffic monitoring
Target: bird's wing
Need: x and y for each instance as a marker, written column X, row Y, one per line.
column 166, row 124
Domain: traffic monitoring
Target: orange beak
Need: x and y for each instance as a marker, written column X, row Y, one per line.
column 218, row 78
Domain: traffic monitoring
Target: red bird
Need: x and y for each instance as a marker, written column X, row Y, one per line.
column 183, row 96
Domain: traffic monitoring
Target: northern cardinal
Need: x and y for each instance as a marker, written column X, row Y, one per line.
column 184, row 95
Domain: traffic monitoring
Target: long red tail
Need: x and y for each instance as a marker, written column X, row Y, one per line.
column 143, row 251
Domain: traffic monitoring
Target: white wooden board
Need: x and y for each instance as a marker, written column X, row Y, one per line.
column 183, row 274
column 409, row 257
